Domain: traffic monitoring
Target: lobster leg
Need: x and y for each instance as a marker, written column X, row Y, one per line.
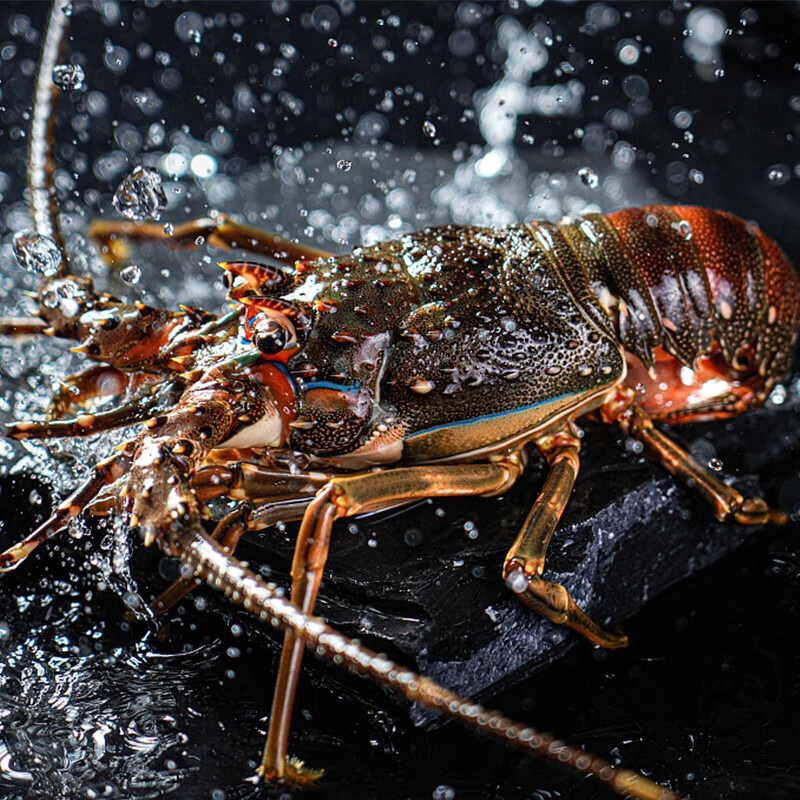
column 524, row 563
column 218, row 230
column 725, row 501
column 246, row 480
column 22, row 326
column 99, row 381
column 343, row 497
column 136, row 409
column 308, row 565
column 101, row 475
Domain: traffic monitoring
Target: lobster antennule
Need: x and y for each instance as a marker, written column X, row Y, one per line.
column 209, row 561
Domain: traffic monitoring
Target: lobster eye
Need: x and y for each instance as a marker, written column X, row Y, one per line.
column 272, row 333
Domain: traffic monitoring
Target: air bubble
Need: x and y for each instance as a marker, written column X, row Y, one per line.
column 589, row 177
column 715, row 464
column 141, row 196
column 131, row 275
column 37, row 254
column 344, row 165
column 429, row 129
column 69, row 76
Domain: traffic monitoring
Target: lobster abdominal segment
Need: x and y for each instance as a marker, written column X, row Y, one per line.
column 684, row 287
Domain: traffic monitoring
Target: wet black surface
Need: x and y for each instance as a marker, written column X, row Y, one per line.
column 707, row 696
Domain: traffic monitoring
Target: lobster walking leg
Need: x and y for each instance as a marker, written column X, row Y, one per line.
column 524, row 563
column 726, row 503
column 308, row 565
column 219, row 231
column 344, row 497
column 101, row 475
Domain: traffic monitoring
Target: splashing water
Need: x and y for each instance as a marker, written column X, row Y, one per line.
column 141, row 196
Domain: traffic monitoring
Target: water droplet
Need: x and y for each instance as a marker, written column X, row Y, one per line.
column 589, row 177
column 141, row 195
column 36, row 253
column 429, row 129
column 189, row 27
column 682, row 118
column 131, row 275
column 34, row 498
column 628, row 51
column 69, row 76
column 413, row 537
column 641, row 388
column 778, row 395
column 517, row 581
column 778, row 174
column 169, row 229
column 684, row 229
column 715, row 464
column 344, row 165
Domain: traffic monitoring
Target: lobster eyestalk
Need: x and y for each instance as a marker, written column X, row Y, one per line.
column 209, row 561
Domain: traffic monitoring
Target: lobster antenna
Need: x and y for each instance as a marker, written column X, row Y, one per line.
column 41, row 160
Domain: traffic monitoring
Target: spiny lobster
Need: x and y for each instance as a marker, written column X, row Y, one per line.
column 423, row 367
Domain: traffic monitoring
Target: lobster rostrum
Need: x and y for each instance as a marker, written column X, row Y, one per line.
column 425, row 367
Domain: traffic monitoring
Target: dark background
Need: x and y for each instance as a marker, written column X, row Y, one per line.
column 707, row 694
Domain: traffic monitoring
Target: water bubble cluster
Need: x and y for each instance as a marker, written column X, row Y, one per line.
column 141, row 196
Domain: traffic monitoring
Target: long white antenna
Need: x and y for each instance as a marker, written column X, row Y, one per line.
column 41, row 163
